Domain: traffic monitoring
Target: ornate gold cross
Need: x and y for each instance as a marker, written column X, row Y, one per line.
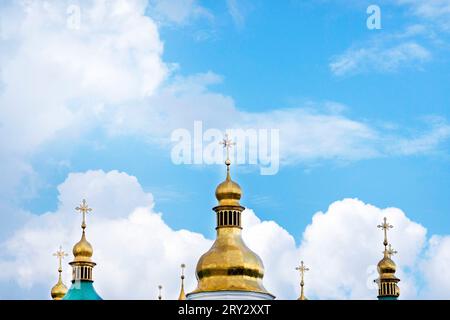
column 385, row 226
column 60, row 254
column 302, row 268
column 227, row 144
column 83, row 208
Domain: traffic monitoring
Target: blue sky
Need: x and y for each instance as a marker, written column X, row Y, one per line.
column 380, row 96
column 278, row 56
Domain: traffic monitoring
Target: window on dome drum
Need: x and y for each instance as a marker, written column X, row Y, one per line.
column 228, row 218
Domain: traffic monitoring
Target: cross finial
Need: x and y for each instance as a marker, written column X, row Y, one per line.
column 385, row 226
column 302, row 268
column 160, row 290
column 83, row 208
column 391, row 251
column 60, row 254
column 227, row 144
column 183, row 266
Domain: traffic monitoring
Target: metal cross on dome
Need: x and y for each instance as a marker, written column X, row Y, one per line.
column 60, row 254
column 83, row 208
column 385, row 226
column 227, row 144
column 302, row 268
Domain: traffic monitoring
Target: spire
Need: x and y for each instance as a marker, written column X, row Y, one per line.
column 82, row 264
column 83, row 250
column 160, row 292
column 182, row 295
column 227, row 144
column 385, row 226
column 302, row 268
column 59, row 290
column 229, row 265
column 387, row 281
column 228, row 193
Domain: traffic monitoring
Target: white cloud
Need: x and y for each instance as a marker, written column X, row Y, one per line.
column 434, row 11
column 379, row 59
column 132, row 244
column 314, row 132
column 424, row 142
column 136, row 250
column 343, row 246
column 435, row 268
column 178, row 11
column 56, row 79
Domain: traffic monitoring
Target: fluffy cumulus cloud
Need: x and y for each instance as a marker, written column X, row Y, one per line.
column 435, row 268
column 136, row 250
column 62, row 64
column 346, row 235
column 132, row 243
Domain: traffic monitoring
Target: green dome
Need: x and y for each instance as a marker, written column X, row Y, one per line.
column 82, row 290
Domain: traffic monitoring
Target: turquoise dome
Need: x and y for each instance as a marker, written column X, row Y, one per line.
column 82, row 290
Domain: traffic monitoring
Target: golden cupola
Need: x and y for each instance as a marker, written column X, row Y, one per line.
column 82, row 263
column 229, row 265
column 387, row 281
column 82, row 250
column 59, row 290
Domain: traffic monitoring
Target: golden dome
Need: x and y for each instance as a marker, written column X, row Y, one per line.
column 386, row 265
column 82, row 250
column 59, row 290
column 386, row 268
column 230, row 265
column 228, row 193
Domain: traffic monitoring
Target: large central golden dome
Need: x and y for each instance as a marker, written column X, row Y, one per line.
column 229, row 265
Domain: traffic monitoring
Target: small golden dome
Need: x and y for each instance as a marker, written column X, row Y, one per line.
column 386, row 265
column 59, row 290
column 82, row 250
column 228, row 193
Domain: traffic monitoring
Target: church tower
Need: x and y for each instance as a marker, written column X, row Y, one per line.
column 387, row 281
column 229, row 270
column 82, row 266
column 59, row 290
